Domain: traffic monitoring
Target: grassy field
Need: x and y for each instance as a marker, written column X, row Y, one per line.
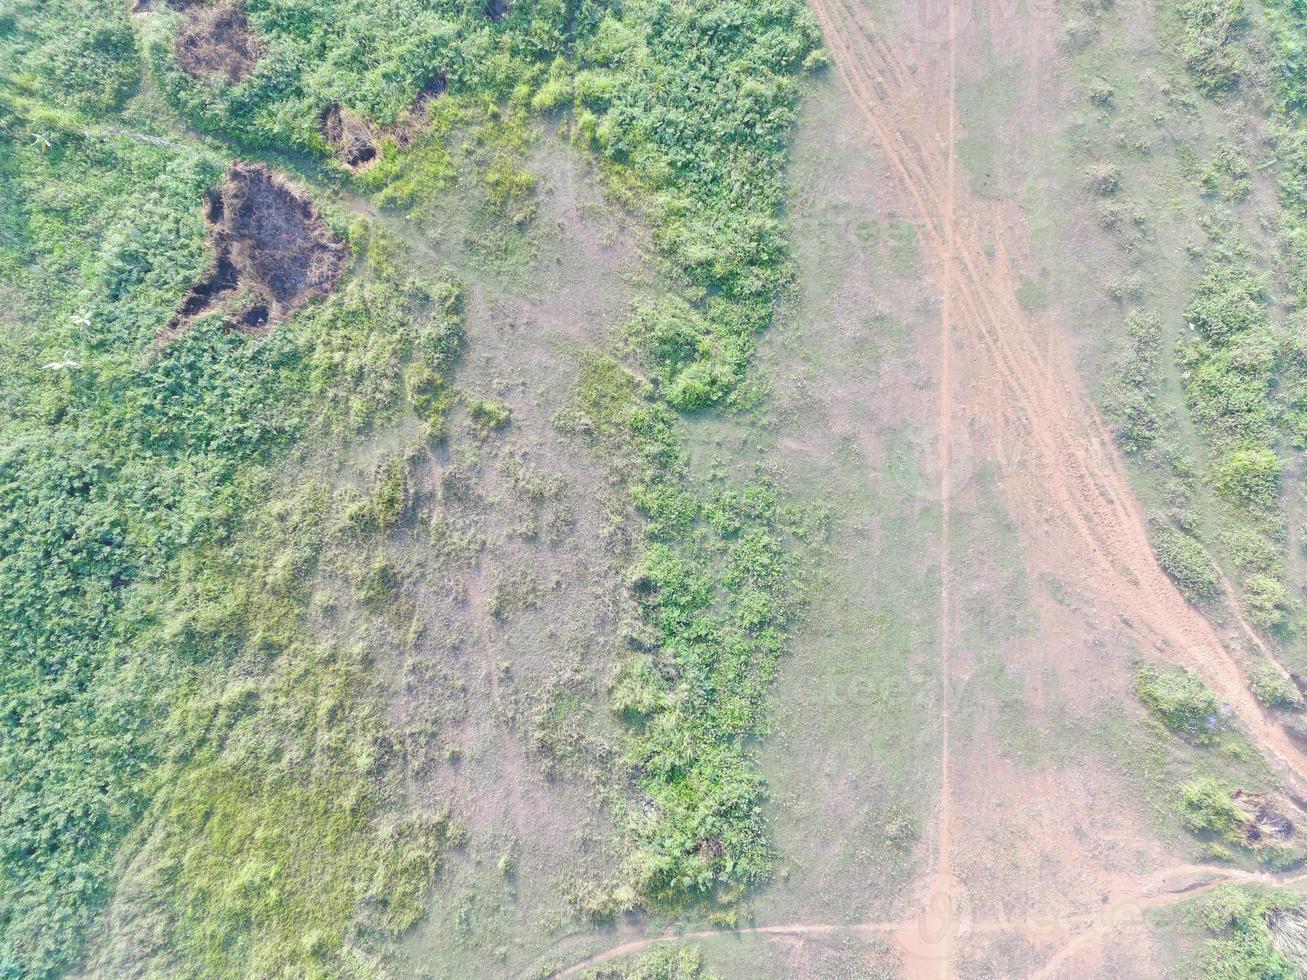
column 482, row 484
column 228, row 656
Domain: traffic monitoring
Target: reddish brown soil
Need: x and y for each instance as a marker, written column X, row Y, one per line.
column 272, row 253
column 1065, row 484
column 216, row 42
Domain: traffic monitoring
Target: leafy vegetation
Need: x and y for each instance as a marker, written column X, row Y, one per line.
column 1242, row 945
column 716, row 586
column 1273, row 689
column 129, row 458
column 1206, row 808
column 665, row 963
column 175, row 732
column 1133, row 385
column 1184, row 559
column 1181, row 701
column 1242, row 374
column 1210, row 46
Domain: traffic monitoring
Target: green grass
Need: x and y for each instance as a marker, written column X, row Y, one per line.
column 1210, row 43
column 1239, row 944
column 171, row 566
column 716, row 586
column 662, row 963
column 1180, row 701
column 129, row 458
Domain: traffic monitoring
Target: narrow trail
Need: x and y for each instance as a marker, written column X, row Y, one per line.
column 941, row 896
column 1166, row 886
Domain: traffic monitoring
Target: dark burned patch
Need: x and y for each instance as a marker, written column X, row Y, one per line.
column 495, row 9
column 216, row 42
column 1263, row 823
column 350, row 135
column 272, row 253
column 357, row 141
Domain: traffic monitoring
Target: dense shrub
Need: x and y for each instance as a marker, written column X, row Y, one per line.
column 1184, row 559
column 1132, row 395
column 1241, row 944
column 1207, row 808
column 1210, row 45
column 1181, row 701
column 1250, row 476
column 1273, row 689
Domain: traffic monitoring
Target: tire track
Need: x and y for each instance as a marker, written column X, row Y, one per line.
column 1072, row 496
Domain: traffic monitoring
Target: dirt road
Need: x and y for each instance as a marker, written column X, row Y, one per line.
column 1066, row 485
column 1074, row 500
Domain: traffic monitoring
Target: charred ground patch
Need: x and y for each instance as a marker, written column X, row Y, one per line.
column 272, row 253
column 1262, row 819
column 351, row 136
column 357, row 141
column 215, row 42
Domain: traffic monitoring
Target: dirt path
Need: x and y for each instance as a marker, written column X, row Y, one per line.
column 933, row 948
column 1077, row 929
column 1067, row 487
column 1072, row 497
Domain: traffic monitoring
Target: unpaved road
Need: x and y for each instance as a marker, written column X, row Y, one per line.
column 1067, row 487
column 1074, row 930
column 1072, row 495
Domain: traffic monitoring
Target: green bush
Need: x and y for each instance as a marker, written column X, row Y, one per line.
column 1249, row 476
column 78, row 54
column 1206, row 807
column 1229, row 301
column 489, row 416
column 1273, row 689
column 116, row 472
column 672, row 962
column 1210, row 43
column 1132, row 392
column 1181, row 701
column 1186, row 562
column 1266, row 601
column 1104, row 179
column 1241, row 944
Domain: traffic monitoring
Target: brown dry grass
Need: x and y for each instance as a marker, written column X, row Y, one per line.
column 216, row 42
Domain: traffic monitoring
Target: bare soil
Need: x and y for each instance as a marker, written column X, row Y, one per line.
column 216, row 42
column 515, row 563
column 1013, row 382
column 272, row 253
